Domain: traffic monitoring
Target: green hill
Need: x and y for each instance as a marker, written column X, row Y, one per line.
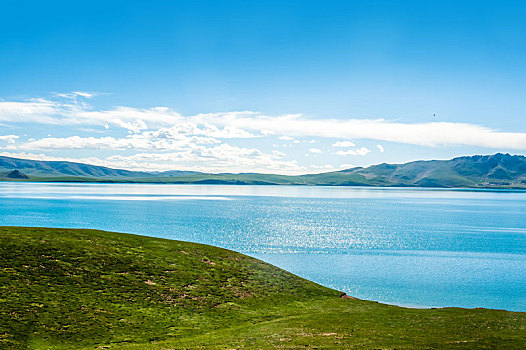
column 37, row 168
column 86, row 289
column 491, row 171
column 499, row 170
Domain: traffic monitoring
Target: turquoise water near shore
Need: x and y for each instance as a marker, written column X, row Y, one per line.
column 413, row 247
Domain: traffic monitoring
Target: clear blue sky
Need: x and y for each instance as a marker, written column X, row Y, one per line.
column 400, row 61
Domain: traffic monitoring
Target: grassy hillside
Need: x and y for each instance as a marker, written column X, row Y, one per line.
column 495, row 171
column 86, row 289
column 50, row 169
column 498, row 170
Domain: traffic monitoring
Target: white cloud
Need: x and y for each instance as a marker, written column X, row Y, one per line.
column 324, row 167
column 176, row 137
column 74, row 94
column 162, row 139
column 247, row 124
column 346, row 166
column 343, row 144
column 34, row 111
column 9, row 138
column 207, row 130
column 134, row 142
column 44, row 111
column 218, row 159
column 354, row 152
column 423, row 134
column 221, row 158
column 286, row 138
column 84, row 94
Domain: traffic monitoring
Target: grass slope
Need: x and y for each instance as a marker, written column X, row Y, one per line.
column 86, row 289
column 50, row 169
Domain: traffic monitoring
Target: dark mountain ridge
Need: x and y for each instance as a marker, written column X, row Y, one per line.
column 64, row 168
column 468, row 171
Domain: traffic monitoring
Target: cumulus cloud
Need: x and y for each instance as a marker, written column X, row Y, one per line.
column 217, row 159
column 343, row 144
column 144, row 141
column 286, row 138
column 247, row 124
column 9, row 138
column 183, row 131
column 354, row 152
column 221, row 158
column 322, row 167
column 160, row 138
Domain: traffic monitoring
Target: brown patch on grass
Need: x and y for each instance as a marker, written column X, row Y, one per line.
column 206, row 261
column 345, row 296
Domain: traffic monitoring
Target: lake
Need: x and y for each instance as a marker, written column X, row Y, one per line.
column 411, row 247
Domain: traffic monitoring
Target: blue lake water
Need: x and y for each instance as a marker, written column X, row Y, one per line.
column 412, row 247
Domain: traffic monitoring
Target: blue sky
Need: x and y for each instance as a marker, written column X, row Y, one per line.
column 261, row 86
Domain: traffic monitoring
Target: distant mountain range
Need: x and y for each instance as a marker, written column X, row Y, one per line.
column 488, row 171
column 45, row 169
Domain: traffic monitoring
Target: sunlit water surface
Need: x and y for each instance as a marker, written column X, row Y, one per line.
column 413, row 247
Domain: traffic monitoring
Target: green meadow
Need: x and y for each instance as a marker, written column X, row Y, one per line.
column 87, row 289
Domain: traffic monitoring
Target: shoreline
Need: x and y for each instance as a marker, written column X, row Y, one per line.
column 342, row 295
column 78, row 288
column 241, row 183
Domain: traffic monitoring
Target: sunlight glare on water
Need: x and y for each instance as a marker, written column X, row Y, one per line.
column 419, row 247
